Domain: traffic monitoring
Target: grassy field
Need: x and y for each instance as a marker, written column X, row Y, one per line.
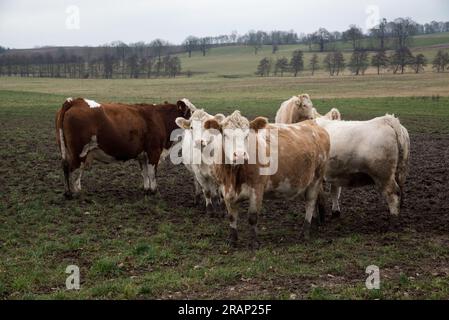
column 240, row 61
column 128, row 246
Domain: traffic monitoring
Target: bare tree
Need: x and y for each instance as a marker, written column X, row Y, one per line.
column 380, row 60
column 297, row 62
column 281, row 66
column 314, row 63
column 190, row 44
column 353, row 34
column 418, row 63
column 441, row 61
column 359, row 62
column 321, row 37
column 264, row 67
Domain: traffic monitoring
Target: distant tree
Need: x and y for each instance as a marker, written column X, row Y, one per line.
column 281, row 66
column 204, row 44
column 297, row 62
column 380, row 32
column 255, row 39
column 400, row 59
column 380, row 60
column 359, row 62
column 108, row 66
column 321, row 37
column 174, row 66
column 314, row 63
column 158, row 47
column 190, row 44
column 354, row 34
column 441, row 61
column 133, row 66
column 264, row 67
column 418, row 63
column 334, row 62
column 403, row 30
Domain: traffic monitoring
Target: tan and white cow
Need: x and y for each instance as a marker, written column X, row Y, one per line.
column 110, row 132
column 193, row 143
column 301, row 151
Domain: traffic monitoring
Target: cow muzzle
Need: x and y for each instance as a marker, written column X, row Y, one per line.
column 240, row 157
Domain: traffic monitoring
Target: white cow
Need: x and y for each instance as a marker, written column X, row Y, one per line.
column 368, row 152
column 203, row 178
column 295, row 109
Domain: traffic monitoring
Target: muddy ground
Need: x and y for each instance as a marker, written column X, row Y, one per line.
column 34, row 212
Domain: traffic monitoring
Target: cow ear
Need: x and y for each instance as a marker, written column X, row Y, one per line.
column 258, row 123
column 219, row 117
column 212, row 124
column 183, row 123
column 181, row 105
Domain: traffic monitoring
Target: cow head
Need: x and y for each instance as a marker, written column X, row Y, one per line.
column 304, row 108
column 196, row 122
column 235, row 130
column 184, row 109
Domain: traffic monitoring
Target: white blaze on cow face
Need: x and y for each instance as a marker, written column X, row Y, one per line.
column 92, row 103
column 235, row 130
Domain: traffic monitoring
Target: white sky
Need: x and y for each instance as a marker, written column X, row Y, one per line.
column 29, row 23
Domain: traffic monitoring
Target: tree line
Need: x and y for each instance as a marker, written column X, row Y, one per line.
column 335, row 63
column 386, row 35
column 159, row 58
column 116, row 60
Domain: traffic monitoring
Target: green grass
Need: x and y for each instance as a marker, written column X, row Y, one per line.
column 128, row 247
column 240, row 61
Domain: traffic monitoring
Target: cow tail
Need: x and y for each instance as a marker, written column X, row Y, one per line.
column 65, row 154
column 403, row 142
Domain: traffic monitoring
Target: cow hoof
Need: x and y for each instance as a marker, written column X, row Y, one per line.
column 150, row 192
column 210, row 210
column 233, row 238
column 197, row 200
column 68, row 195
column 254, row 245
column 336, row 214
column 306, row 230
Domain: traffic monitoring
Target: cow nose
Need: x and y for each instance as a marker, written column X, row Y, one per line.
column 200, row 143
column 240, row 156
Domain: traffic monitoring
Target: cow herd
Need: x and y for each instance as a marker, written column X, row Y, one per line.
column 233, row 159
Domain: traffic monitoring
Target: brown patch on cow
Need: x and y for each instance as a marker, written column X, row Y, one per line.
column 258, row 123
column 211, row 124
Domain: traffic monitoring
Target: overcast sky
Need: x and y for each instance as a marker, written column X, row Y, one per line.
column 26, row 24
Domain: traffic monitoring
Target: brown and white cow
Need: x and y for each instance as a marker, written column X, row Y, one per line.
column 300, row 150
column 110, row 132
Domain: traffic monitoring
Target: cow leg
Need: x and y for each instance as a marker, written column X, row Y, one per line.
column 143, row 163
column 198, row 192
column 77, row 182
column 255, row 204
column 392, row 194
column 312, row 193
column 233, row 214
column 67, row 173
column 209, row 205
column 154, row 157
column 335, row 195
